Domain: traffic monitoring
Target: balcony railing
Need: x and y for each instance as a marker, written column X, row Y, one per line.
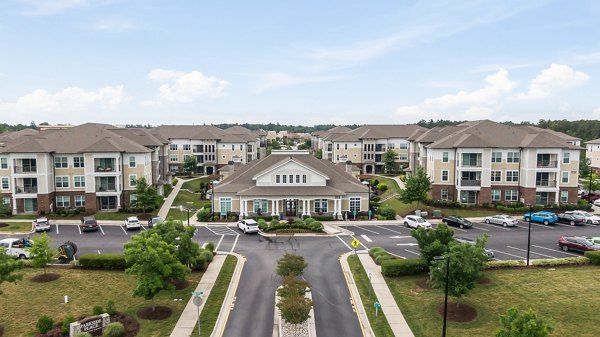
column 27, row 190
column 104, row 169
column 547, row 164
column 109, row 188
column 476, row 163
column 466, row 182
column 25, row 169
column 545, row 183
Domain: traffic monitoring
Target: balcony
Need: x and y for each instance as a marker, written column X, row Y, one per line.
column 27, row 190
column 547, row 164
column 25, row 169
column 379, row 148
column 466, row 182
column 198, row 148
column 545, row 183
column 476, row 163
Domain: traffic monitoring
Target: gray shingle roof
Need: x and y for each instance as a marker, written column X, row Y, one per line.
column 383, row 131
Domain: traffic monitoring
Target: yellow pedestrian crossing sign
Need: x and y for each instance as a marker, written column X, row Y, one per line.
column 355, row 243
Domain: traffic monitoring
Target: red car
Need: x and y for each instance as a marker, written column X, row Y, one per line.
column 578, row 243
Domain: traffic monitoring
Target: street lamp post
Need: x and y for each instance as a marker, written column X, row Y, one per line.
column 529, row 232
column 447, row 258
column 212, row 201
column 181, row 208
column 368, row 184
column 588, row 161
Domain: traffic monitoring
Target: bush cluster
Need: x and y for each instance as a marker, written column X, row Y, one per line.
column 402, row 267
column 387, row 213
column 44, row 324
column 295, row 226
column 514, row 207
column 114, row 329
column 68, row 211
column 593, row 256
column 103, row 261
column 565, row 261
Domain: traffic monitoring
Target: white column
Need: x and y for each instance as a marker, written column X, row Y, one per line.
column 308, row 207
column 335, row 210
column 276, row 207
column 272, row 207
column 242, row 212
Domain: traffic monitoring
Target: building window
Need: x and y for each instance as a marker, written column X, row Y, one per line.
column 511, row 195
column 512, row 157
column 79, row 181
column 337, row 146
column 354, row 204
column 320, row 205
column 565, row 177
column 132, row 199
column 403, row 157
column 61, row 162
column 444, row 157
column 496, row 195
column 62, row 182
column 566, row 158
column 225, row 205
column 132, row 180
column 444, row 194
column 173, row 147
column 496, row 176
column 284, row 179
column 186, row 147
column 345, row 146
column 3, row 163
column 6, row 201
column 132, row 161
column 444, row 175
column 63, row 201
column 80, row 201
column 261, row 205
column 564, row 196
column 291, row 178
column 78, row 162
column 232, row 147
column 496, row 157
column 277, row 179
column 5, row 184
column 403, row 146
column 297, row 179
column 173, row 157
column 304, row 178
column 512, row 176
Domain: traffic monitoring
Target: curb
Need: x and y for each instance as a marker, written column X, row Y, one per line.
column 228, row 304
column 359, row 308
column 277, row 320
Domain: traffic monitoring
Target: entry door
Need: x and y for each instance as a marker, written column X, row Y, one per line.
column 291, row 207
column 30, row 205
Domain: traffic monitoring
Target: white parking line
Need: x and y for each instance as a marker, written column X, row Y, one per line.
column 99, row 252
column 234, row 243
column 144, row 228
column 531, row 252
column 124, row 231
column 366, row 238
column 393, row 231
column 509, row 254
column 344, row 242
column 554, row 250
column 102, row 230
column 459, row 229
column 481, row 229
column 410, row 251
column 56, row 228
column 79, row 228
column 368, row 230
column 218, row 244
column 495, row 226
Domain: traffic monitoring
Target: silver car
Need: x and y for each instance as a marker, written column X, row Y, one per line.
column 502, row 219
column 41, row 224
column 248, row 226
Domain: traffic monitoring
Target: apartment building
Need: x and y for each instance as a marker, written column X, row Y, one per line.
column 592, row 154
column 487, row 162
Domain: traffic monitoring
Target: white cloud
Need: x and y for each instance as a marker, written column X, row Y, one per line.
column 49, row 7
column 556, row 78
column 476, row 104
column 187, row 87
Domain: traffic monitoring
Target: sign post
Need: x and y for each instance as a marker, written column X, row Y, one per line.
column 198, row 302
column 377, row 306
column 370, row 285
column 355, row 244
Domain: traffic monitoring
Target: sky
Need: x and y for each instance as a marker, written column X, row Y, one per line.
column 297, row 62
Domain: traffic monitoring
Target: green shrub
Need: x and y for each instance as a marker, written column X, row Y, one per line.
column 103, row 261
column 208, row 255
column 309, row 220
column 114, row 329
column 382, row 187
column 203, row 214
column 83, row 334
column 593, row 256
column 111, row 308
column 388, row 213
column 565, row 261
column 505, row 264
column 402, row 267
column 373, row 250
column 382, row 258
column 97, row 310
column 44, row 324
column 66, row 323
column 174, row 181
column 200, row 264
column 316, row 226
column 210, row 246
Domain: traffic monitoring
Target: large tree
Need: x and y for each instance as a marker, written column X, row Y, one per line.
column 389, row 160
column 290, row 264
column 189, row 164
column 175, row 233
column 523, row 324
column 146, row 195
column 154, row 262
column 41, row 252
column 433, row 242
column 8, row 267
column 416, row 187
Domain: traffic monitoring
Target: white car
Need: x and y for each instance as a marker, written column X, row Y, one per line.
column 590, row 218
column 415, row 221
column 132, row 222
column 18, row 248
column 597, row 202
column 502, row 219
column 248, row 226
column 41, row 224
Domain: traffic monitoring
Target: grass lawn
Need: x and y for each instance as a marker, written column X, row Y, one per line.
column 194, row 185
column 24, row 301
column 20, row 216
column 379, row 324
column 566, row 297
column 116, row 215
column 16, row 227
column 403, row 209
column 187, row 200
column 391, row 184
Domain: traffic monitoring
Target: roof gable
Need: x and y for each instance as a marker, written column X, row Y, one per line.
column 289, row 163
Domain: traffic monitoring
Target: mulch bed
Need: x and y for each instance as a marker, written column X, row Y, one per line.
column 180, row 284
column 458, row 312
column 132, row 326
column 422, row 282
column 3, row 224
column 159, row 313
column 1, row 331
column 484, row 280
column 46, row 277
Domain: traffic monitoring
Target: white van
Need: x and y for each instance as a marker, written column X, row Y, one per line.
column 17, row 247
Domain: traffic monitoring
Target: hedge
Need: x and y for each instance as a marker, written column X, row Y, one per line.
column 593, row 256
column 383, row 257
column 388, row 213
column 403, row 267
column 103, row 261
column 565, row 261
column 373, row 250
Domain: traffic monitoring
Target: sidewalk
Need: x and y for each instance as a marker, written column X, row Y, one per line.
column 164, row 210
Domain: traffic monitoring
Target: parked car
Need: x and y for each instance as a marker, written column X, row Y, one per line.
column 18, row 248
column 132, row 222
column 248, row 226
column 88, row 223
column 571, row 219
column 41, row 224
column 457, row 221
column 415, row 221
column 590, row 218
column 461, row 239
column 577, row 243
column 502, row 219
column 155, row 220
column 597, row 202
column 547, row 218
column 594, row 240
column 591, row 197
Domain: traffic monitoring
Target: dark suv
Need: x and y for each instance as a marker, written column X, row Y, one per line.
column 88, row 223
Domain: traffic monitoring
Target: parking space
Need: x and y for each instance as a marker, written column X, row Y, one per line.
column 221, row 230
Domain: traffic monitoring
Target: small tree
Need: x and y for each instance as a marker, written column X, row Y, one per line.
column 523, row 324
column 41, row 252
column 319, row 154
column 8, row 267
column 295, row 309
column 389, row 160
column 467, row 263
column 290, row 264
column 189, row 164
column 146, row 195
column 4, row 207
column 433, row 242
column 416, row 187
column 175, row 233
column 154, row 262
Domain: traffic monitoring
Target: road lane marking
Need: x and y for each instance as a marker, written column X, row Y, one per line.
column 495, row 226
column 481, row 229
column 393, row 231
column 234, row 243
column 124, row 231
column 407, row 244
column 410, row 251
column 218, row 244
column 144, row 228
column 102, row 230
column 532, row 252
column 554, row 250
column 400, row 237
column 344, row 242
column 79, row 228
column 56, row 228
column 368, row 230
column 458, row 229
column 509, row 254
column 366, row 238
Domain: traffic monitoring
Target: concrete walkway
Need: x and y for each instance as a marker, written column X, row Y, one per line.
column 166, row 206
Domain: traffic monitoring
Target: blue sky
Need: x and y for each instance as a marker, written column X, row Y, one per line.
column 301, row 62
